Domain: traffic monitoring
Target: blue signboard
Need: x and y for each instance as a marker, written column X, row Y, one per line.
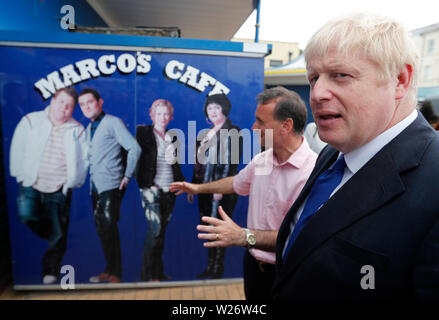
column 128, row 80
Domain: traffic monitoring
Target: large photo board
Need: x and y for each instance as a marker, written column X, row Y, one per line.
column 156, row 232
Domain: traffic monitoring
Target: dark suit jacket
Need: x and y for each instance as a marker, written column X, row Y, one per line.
column 386, row 216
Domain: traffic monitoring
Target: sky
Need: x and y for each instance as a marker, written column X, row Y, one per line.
column 297, row 21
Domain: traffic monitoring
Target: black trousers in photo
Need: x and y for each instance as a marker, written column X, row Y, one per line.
column 106, row 210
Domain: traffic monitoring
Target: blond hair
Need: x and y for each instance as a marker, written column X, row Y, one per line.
column 161, row 103
column 380, row 39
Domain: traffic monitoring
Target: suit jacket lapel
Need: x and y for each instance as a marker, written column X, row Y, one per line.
column 372, row 186
column 284, row 229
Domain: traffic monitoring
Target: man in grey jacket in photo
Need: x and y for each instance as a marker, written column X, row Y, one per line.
column 109, row 143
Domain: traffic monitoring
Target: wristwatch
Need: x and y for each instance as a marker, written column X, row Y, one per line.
column 250, row 237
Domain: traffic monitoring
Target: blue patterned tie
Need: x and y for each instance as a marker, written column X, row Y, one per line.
column 320, row 192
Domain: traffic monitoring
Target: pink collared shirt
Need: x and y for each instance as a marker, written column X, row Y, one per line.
column 272, row 192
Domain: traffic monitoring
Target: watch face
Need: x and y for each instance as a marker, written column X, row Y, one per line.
column 251, row 239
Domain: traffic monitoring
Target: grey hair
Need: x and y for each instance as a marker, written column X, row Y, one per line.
column 289, row 105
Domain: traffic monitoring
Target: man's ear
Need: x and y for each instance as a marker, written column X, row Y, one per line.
column 101, row 102
column 404, row 79
column 288, row 125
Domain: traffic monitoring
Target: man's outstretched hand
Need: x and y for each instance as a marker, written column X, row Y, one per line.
column 182, row 187
column 222, row 232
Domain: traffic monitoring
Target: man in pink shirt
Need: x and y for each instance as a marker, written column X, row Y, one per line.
column 273, row 181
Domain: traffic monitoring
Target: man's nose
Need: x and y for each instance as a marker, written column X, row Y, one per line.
column 321, row 90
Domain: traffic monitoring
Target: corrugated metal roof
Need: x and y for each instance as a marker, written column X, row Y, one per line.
column 197, row 19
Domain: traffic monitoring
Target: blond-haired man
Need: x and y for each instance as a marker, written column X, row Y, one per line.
column 375, row 233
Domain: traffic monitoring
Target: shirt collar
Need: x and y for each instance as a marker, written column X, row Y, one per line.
column 99, row 117
column 298, row 157
column 357, row 158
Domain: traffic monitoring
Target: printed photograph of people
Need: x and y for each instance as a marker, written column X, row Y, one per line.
column 113, row 155
column 154, row 174
column 217, row 165
column 48, row 159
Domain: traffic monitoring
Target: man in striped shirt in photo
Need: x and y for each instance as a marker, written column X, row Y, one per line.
column 48, row 159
